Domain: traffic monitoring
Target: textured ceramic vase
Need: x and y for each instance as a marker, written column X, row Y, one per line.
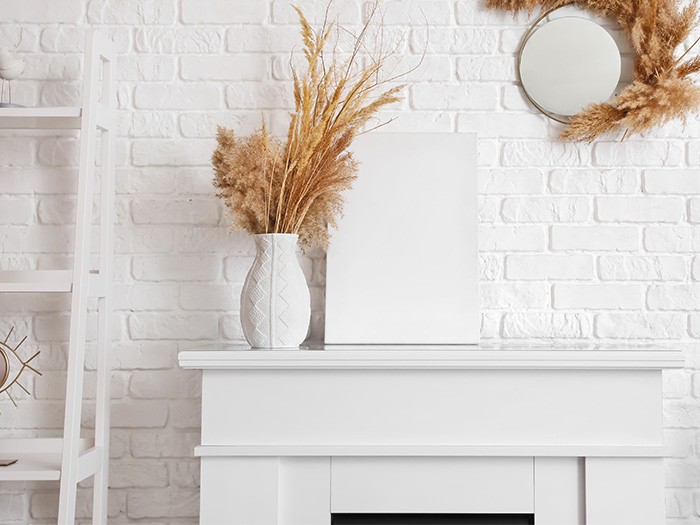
column 275, row 301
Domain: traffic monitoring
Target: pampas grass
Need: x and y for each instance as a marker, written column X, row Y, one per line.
column 295, row 185
column 662, row 89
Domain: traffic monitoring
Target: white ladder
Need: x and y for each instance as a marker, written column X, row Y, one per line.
column 72, row 459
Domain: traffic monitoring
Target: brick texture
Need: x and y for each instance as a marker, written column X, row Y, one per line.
column 577, row 242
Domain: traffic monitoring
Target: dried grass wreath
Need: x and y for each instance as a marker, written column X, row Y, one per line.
column 662, row 89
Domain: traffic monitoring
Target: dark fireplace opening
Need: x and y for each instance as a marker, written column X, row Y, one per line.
column 432, row 519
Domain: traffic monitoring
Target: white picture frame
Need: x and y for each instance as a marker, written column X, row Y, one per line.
column 402, row 267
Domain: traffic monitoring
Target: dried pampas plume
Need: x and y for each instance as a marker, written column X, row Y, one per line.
column 662, row 89
column 271, row 185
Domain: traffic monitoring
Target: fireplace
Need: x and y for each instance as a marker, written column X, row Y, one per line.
column 316, row 436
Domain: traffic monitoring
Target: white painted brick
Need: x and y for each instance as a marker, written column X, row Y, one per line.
column 640, row 209
column 133, row 12
column 224, row 67
column 681, row 414
column 176, row 384
column 672, row 181
column 416, row 12
column 508, row 125
column 138, row 475
column 474, row 13
column 696, row 268
column 542, row 267
column 16, row 211
column 595, row 238
column 169, row 211
column 150, row 356
column 186, row 474
column 694, row 153
column 680, row 442
column 638, row 153
column 19, row 38
column 540, row 153
column 156, row 124
column 674, row 297
column 440, row 96
column 676, row 384
column 163, row 444
column 231, row 329
column 680, row 238
column 169, row 504
column 640, row 325
column 546, row 209
column 179, row 40
column 594, row 181
column 425, row 121
column 694, row 210
column 223, row 11
column 140, row 239
column 512, row 98
column 528, row 325
column 268, row 95
column 176, row 96
column 149, row 297
column 155, row 327
column 203, row 124
column 457, row 40
column 14, row 507
column 346, row 12
column 175, row 268
column 139, row 414
column 511, row 238
column 516, row 181
column 642, row 268
column 215, row 297
column 490, row 267
column 16, row 152
column 489, row 209
column 486, row 68
column 39, row 11
column 158, row 152
column 148, row 68
column 514, row 296
column 598, row 296
column 257, row 39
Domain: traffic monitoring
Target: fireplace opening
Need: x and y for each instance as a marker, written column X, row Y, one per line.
column 432, row 519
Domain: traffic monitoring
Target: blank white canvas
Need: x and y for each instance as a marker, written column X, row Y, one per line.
column 402, row 265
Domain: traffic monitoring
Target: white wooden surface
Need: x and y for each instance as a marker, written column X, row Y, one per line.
column 402, row 267
column 624, row 490
column 432, row 485
column 560, row 490
column 447, row 431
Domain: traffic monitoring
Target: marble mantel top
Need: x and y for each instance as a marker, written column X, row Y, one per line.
column 484, row 356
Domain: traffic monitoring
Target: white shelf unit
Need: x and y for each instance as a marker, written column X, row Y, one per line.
column 72, row 459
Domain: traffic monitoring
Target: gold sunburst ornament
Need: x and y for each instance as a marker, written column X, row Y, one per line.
column 12, row 366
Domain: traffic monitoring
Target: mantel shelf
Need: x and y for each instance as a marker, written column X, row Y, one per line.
column 563, row 356
column 65, row 117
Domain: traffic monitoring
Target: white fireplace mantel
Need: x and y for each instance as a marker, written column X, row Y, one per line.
column 571, row 434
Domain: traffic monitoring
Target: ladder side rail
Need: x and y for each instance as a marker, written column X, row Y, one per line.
column 79, row 298
column 104, row 305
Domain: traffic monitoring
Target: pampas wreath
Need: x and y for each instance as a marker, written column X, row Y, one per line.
column 662, row 89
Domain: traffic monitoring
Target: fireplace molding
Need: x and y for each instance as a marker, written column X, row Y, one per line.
column 571, row 434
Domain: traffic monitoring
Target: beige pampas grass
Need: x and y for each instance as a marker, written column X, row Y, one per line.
column 296, row 185
column 662, row 89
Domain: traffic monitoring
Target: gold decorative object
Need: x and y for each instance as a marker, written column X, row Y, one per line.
column 12, row 366
column 662, row 89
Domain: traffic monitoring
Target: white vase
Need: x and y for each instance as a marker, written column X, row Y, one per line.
column 275, row 301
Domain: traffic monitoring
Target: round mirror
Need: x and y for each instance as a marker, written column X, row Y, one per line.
column 567, row 64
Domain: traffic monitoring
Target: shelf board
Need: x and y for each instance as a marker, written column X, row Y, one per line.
column 39, row 459
column 32, row 281
column 64, row 117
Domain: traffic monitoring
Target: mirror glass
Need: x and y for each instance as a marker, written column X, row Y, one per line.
column 567, row 64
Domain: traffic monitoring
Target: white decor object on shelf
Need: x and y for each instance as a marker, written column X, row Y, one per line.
column 10, row 68
column 572, row 434
column 72, row 459
column 403, row 264
column 275, row 300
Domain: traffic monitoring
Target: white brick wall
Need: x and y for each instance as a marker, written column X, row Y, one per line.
column 577, row 241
